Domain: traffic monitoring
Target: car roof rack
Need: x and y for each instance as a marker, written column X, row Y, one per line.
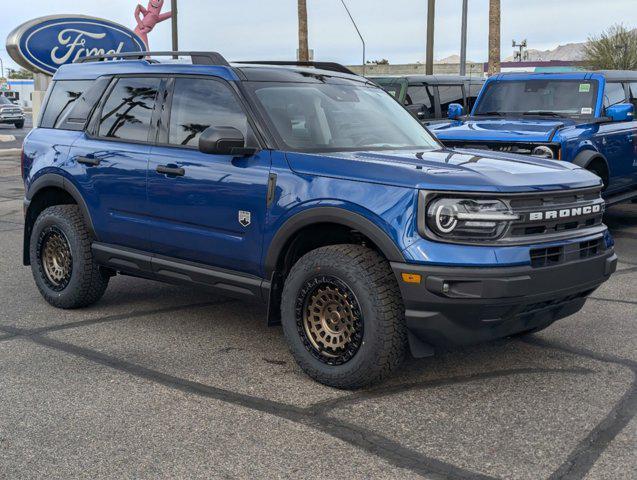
column 331, row 66
column 197, row 58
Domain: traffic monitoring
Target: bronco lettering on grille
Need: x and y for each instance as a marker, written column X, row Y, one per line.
column 565, row 213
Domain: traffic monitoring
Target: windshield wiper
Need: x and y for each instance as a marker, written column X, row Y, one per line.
column 543, row 113
column 490, row 114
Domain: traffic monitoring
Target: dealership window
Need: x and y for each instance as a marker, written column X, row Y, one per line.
column 450, row 94
column 64, row 94
column 127, row 113
column 201, row 103
column 421, row 95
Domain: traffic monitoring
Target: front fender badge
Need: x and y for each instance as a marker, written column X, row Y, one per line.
column 245, row 218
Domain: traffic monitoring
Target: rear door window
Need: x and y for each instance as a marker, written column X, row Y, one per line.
column 127, row 113
column 421, row 95
column 450, row 94
column 64, row 94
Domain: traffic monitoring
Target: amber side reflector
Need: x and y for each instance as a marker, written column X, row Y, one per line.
column 411, row 278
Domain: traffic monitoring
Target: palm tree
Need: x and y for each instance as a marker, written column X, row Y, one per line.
column 304, row 51
column 494, row 37
column 193, row 129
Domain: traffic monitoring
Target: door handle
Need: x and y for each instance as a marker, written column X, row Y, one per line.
column 174, row 171
column 91, row 162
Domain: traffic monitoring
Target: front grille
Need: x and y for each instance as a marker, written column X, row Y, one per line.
column 549, row 256
column 520, row 148
column 555, row 215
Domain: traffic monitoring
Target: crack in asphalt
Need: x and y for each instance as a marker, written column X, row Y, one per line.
column 588, row 450
column 614, row 300
column 23, row 332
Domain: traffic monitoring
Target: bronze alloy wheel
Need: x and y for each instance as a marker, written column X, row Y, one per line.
column 55, row 258
column 329, row 320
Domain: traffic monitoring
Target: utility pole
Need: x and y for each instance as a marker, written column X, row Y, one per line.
column 357, row 31
column 173, row 21
column 494, row 37
column 463, row 39
column 431, row 14
column 304, row 50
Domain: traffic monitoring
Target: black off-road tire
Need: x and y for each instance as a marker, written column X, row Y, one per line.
column 369, row 277
column 87, row 281
column 19, row 125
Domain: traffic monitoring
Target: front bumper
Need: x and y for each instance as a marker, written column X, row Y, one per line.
column 464, row 305
column 11, row 119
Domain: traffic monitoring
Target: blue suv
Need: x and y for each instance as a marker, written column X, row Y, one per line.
column 584, row 118
column 312, row 190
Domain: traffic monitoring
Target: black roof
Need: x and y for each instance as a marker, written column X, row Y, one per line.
column 437, row 79
column 619, row 75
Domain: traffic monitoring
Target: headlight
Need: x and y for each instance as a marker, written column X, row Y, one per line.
column 543, row 151
column 466, row 219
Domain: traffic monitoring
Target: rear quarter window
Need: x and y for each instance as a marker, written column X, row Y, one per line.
column 64, row 94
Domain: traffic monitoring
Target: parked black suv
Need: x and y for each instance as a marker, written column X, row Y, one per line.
column 429, row 96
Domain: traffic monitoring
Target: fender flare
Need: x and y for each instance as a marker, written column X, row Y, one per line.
column 584, row 158
column 57, row 181
column 336, row 215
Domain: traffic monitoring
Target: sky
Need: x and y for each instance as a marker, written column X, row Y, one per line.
column 393, row 29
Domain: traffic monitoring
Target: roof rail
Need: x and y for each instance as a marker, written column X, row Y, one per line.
column 198, row 58
column 331, row 66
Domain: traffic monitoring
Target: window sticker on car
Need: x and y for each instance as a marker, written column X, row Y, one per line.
column 587, row 111
column 584, row 87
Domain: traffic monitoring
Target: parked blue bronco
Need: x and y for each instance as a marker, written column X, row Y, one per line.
column 310, row 189
column 584, row 118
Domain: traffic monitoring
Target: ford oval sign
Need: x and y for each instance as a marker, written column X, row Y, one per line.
column 45, row 44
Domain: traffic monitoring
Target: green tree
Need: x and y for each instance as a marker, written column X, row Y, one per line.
column 614, row 49
column 20, row 74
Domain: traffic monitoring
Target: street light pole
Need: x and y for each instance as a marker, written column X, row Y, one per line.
column 2, row 67
column 175, row 31
column 463, row 39
column 431, row 14
column 357, row 31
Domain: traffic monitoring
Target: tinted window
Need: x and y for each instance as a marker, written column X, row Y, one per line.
column 614, row 94
column 421, row 95
column 576, row 98
column 450, row 94
column 63, row 95
column 127, row 112
column 198, row 104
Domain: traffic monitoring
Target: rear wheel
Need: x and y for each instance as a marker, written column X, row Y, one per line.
column 62, row 260
column 342, row 316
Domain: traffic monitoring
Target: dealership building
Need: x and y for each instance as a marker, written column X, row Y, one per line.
column 20, row 90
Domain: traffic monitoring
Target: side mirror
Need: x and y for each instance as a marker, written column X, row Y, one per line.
column 223, row 141
column 455, row 111
column 622, row 112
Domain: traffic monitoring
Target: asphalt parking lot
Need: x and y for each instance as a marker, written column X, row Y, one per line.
column 159, row 381
column 11, row 137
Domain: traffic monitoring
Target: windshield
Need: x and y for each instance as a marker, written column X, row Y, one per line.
column 572, row 98
column 5, row 101
column 321, row 117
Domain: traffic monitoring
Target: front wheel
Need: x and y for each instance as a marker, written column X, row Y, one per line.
column 343, row 316
column 62, row 260
column 19, row 125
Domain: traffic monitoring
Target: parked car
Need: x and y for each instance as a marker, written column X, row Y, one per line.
column 310, row 189
column 10, row 113
column 583, row 118
column 429, row 96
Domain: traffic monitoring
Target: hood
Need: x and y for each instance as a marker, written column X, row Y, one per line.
column 501, row 129
column 461, row 170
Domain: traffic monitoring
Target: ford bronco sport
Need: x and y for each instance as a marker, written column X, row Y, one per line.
column 312, row 190
column 584, row 118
